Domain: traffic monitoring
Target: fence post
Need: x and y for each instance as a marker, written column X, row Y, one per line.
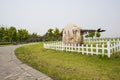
column 63, row 46
column 108, row 49
column 118, row 46
column 103, row 49
column 66, row 47
column 69, row 47
column 51, row 46
column 114, row 47
column 56, row 47
column 82, row 49
column 75, row 48
column 60, row 47
column 96, row 49
column 72, row 47
column 87, row 49
column 91, row 49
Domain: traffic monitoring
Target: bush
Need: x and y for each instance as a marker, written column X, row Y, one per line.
column 5, row 43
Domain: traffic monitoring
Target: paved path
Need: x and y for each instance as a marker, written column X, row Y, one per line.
column 13, row 69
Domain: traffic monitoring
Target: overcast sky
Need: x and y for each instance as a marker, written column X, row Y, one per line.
column 40, row 15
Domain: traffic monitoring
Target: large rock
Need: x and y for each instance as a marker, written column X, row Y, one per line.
column 72, row 34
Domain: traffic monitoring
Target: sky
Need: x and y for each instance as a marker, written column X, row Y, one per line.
column 40, row 15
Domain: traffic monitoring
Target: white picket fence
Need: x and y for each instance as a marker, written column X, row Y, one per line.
column 101, row 40
column 98, row 49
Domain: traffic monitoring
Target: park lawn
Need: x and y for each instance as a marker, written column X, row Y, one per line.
column 69, row 65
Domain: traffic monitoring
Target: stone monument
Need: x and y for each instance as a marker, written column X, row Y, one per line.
column 73, row 34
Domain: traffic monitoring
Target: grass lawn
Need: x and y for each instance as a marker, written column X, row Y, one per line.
column 68, row 65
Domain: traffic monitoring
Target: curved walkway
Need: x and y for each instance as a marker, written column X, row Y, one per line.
column 13, row 69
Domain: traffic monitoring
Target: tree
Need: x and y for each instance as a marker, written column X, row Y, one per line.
column 25, row 34
column 61, row 34
column 34, row 35
column 52, row 35
column 92, row 34
column 98, row 34
column 5, row 38
column 19, row 35
column 22, row 35
column 49, row 34
column 34, row 38
column 56, row 34
column 2, row 31
column 87, row 36
column 12, row 34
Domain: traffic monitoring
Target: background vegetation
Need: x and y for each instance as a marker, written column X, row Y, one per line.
column 93, row 34
column 12, row 35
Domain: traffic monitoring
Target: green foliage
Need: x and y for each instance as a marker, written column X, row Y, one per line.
column 56, row 34
column 68, row 65
column 53, row 35
column 34, row 35
column 34, row 38
column 92, row 34
column 22, row 35
column 11, row 34
column 98, row 34
column 50, row 34
column 87, row 36
column 5, row 38
column 2, row 31
column 5, row 43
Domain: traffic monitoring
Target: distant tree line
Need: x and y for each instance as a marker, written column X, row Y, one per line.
column 11, row 34
column 56, row 35
column 53, row 35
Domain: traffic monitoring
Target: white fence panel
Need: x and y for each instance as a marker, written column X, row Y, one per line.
column 103, row 49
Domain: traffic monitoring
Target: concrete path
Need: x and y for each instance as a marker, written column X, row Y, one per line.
column 13, row 69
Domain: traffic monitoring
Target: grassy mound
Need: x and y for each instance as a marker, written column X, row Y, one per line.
column 68, row 65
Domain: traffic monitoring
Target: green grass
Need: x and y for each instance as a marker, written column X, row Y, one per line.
column 68, row 65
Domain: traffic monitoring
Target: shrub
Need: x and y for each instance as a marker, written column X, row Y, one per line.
column 5, row 43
